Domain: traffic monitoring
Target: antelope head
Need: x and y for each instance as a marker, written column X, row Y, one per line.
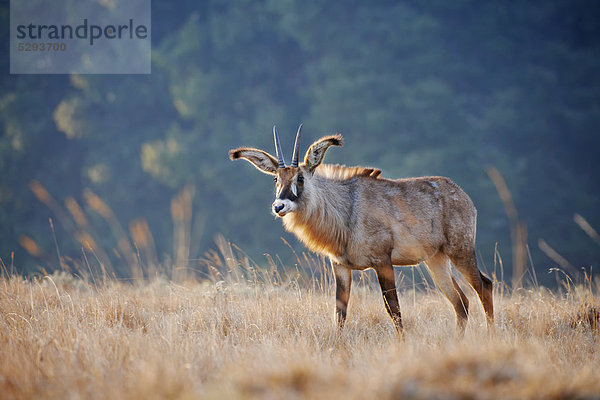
column 290, row 181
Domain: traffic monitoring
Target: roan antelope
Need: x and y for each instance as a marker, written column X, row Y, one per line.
column 361, row 220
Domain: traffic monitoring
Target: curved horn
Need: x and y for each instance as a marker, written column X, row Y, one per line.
column 280, row 159
column 296, row 148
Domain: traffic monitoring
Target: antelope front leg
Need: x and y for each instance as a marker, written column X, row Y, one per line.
column 387, row 281
column 343, row 281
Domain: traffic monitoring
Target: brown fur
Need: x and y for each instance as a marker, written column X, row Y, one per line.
column 361, row 220
column 341, row 172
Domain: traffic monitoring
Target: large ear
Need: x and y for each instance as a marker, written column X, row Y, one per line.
column 262, row 160
column 316, row 151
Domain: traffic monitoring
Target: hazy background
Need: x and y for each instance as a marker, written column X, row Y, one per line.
column 416, row 88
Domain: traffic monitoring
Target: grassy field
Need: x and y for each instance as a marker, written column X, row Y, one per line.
column 258, row 335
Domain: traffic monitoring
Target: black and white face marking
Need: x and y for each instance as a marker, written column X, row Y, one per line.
column 289, row 186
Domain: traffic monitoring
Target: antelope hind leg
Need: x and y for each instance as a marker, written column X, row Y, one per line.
column 439, row 267
column 467, row 265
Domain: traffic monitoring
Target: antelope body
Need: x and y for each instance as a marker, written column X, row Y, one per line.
column 360, row 220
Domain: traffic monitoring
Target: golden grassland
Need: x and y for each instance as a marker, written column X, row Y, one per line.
column 232, row 329
column 255, row 334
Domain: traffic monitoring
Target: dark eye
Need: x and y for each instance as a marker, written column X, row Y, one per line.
column 275, row 178
column 300, row 179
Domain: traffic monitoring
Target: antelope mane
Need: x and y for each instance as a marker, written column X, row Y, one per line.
column 341, row 172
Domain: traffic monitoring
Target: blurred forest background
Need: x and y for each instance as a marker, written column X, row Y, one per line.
column 416, row 88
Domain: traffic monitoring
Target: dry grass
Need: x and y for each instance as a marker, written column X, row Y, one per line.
column 251, row 336
column 248, row 332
